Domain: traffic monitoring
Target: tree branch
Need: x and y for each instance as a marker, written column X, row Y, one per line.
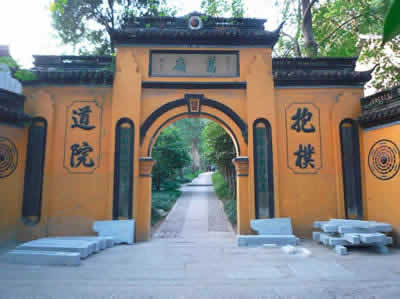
column 296, row 43
column 338, row 28
column 308, row 10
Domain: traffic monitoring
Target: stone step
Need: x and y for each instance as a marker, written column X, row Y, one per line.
column 260, row 240
column 102, row 242
column 84, row 248
column 36, row 257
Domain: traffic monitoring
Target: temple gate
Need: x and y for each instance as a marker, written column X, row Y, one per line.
column 96, row 122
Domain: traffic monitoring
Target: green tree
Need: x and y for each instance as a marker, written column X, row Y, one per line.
column 191, row 129
column 392, row 22
column 219, row 8
column 219, row 150
column 170, row 154
column 87, row 25
column 342, row 28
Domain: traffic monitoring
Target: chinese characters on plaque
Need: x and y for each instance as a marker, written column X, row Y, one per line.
column 303, row 138
column 205, row 64
column 82, row 138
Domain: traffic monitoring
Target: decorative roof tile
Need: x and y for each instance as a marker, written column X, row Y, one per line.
column 97, row 70
column 206, row 30
column 12, row 108
column 380, row 108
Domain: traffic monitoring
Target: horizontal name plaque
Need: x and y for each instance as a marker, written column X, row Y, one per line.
column 194, row 64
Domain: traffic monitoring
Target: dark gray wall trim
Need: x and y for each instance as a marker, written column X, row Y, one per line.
column 351, row 169
column 34, row 173
column 117, row 178
column 270, row 167
column 207, row 102
column 194, row 85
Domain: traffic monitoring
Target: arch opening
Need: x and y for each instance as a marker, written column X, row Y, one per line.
column 224, row 140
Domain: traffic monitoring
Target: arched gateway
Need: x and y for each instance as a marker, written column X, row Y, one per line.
column 283, row 114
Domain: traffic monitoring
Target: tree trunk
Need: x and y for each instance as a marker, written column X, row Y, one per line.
column 310, row 44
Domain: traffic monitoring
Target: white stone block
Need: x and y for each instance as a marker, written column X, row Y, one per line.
column 353, row 239
column 270, row 245
column 81, row 247
column 333, row 241
column 260, row 240
column 101, row 242
column 272, row 226
column 93, row 245
column 316, row 236
column 122, row 231
column 35, row 257
column 372, row 238
column 340, row 250
column 329, row 228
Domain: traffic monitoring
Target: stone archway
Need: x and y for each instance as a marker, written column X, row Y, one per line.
column 170, row 113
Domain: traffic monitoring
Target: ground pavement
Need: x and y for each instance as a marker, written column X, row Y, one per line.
column 193, row 254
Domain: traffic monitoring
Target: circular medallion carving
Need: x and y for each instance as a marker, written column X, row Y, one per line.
column 8, row 157
column 384, row 159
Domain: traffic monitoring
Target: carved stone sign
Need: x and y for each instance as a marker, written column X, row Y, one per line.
column 82, row 137
column 194, row 64
column 384, row 159
column 303, row 138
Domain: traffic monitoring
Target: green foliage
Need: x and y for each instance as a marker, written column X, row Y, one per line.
column 392, row 22
column 170, row 154
column 344, row 28
column 224, row 194
column 220, row 186
column 218, row 145
column 161, row 203
column 190, row 130
column 87, row 24
column 219, row 8
column 18, row 73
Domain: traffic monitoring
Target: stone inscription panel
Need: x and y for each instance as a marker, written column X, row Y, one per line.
column 303, row 133
column 194, row 64
column 82, row 137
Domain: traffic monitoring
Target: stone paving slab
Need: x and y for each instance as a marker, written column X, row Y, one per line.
column 103, row 242
column 35, row 257
column 81, row 248
column 93, row 245
column 203, row 264
column 260, row 240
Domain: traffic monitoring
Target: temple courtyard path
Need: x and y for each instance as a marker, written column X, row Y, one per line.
column 193, row 254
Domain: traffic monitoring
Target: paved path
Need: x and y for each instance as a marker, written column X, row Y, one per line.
column 194, row 255
column 197, row 214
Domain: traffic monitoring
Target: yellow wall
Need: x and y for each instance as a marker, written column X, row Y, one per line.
column 310, row 197
column 72, row 201
column 381, row 196
column 11, row 190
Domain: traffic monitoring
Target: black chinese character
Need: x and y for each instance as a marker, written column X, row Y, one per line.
column 301, row 118
column 304, row 156
column 81, row 120
column 79, row 155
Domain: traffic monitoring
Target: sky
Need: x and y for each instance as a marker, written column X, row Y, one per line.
column 25, row 25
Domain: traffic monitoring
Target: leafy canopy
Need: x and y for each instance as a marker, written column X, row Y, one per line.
column 87, row 24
